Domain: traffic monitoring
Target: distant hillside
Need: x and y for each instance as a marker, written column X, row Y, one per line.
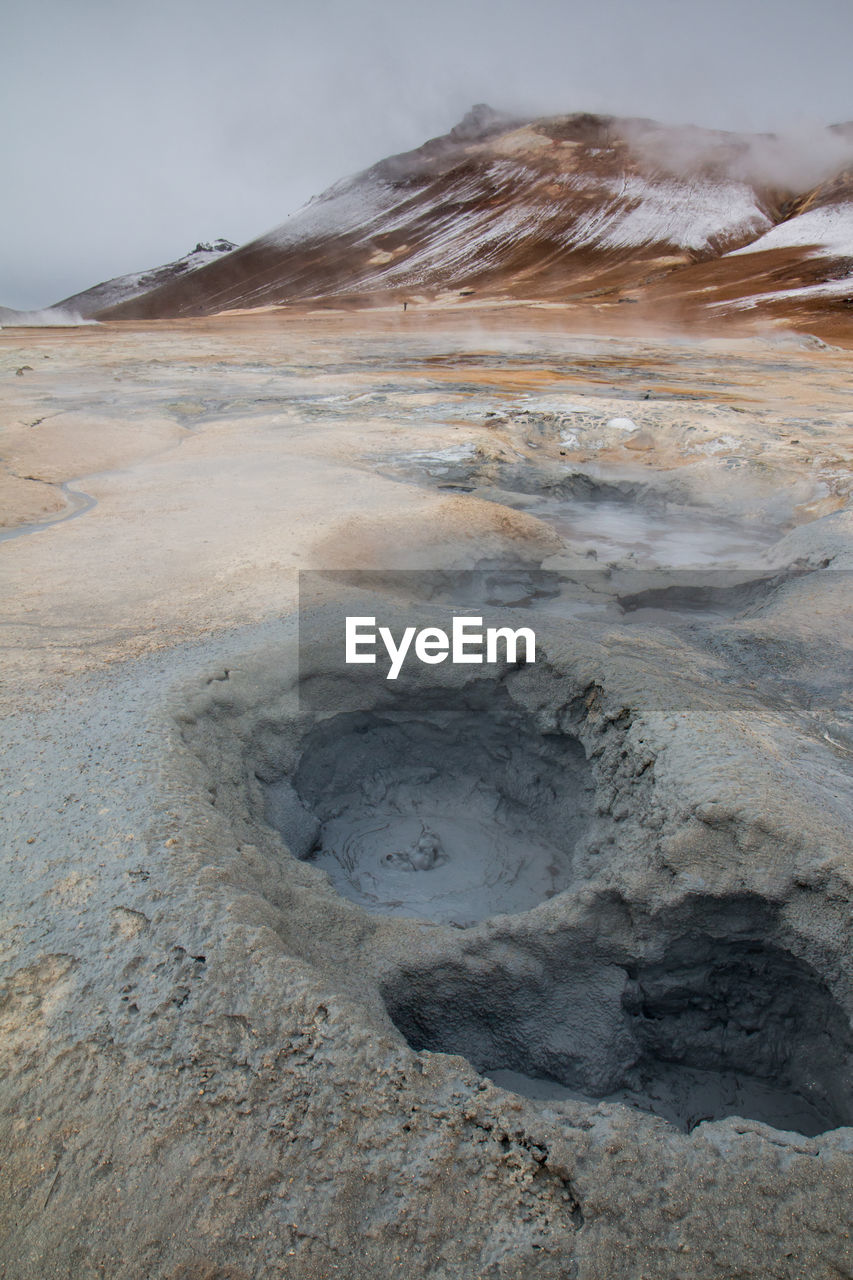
column 124, row 288
column 570, row 208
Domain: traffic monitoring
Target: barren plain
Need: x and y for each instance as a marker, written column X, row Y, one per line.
column 230, row 1051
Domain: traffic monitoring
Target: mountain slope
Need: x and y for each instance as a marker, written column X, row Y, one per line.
column 124, row 288
column 566, row 208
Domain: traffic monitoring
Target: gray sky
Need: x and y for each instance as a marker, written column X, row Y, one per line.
column 133, row 129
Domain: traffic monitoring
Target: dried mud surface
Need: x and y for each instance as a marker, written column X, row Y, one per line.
column 216, row 1064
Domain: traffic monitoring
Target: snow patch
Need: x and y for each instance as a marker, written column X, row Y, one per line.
column 829, row 230
column 685, row 215
column 823, row 289
column 351, row 205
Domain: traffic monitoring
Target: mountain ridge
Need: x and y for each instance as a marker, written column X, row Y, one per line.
column 559, row 208
column 88, row 302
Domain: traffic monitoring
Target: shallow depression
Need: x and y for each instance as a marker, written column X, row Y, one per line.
column 455, row 813
column 601, row 514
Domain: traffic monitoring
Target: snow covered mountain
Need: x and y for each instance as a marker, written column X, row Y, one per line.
column 570, row 208
column 123, row 288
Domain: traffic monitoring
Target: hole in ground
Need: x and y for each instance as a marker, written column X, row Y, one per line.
column 716, row 1028
column 452, row 810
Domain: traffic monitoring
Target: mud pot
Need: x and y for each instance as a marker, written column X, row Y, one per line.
column 722, row 1024
column 456, row 813
column 607, row 514
column 524, row 833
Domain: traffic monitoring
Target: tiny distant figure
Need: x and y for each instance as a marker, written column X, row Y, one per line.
column 405, row 304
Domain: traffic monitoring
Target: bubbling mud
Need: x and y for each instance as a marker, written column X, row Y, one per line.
column 450, row 813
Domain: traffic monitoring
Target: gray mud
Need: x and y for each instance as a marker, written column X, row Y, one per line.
column 721, row 1026
column 452, row 802
column 261, row 1065
column 454, row 813
column 248, row 1034
column 611, row 514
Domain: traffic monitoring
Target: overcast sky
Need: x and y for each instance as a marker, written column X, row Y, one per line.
column 134, row 128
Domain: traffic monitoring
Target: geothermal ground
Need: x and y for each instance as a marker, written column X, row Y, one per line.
column 538, row 971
